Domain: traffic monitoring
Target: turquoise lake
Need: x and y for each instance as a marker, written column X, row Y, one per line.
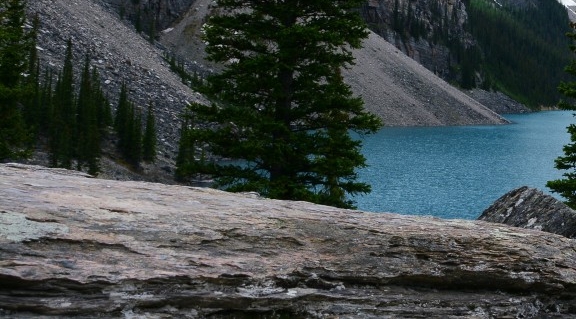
column 457, row 172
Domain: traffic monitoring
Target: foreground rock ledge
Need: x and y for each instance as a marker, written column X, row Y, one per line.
column 71, row 245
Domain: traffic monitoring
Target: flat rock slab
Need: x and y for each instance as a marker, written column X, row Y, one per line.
column 75, row 246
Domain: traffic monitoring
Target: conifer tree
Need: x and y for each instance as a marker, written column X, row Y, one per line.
column 280, row 106
column 149, row 139
column 128, row 126
column 14, row 45
column 122, row 116
column 186, row 157
column 63, row 122
column 45, row 109
column 32, row 104
column 567, row 185
column 103, row 104
column 88, row 130
column 133, row 148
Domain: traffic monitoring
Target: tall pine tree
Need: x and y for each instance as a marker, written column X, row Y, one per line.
column 15, row 44
column 32, row 105
column 280, row 106
column 186, row 159
column 63, row 119
column 87, row 131
column 567, row 185
column 128, row 126
column 149, row 138
column 122, row 116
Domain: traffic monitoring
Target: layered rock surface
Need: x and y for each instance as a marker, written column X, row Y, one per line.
column 528, row 207
column 71, row 245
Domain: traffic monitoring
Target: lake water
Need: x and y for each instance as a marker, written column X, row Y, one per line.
column 457, row 172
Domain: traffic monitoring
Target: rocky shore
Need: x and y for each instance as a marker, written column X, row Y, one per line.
column 75, row 246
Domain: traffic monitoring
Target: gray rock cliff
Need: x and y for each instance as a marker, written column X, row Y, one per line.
column 74, row 246
column 530, row 208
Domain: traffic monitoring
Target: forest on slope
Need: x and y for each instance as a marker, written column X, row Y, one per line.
column 517, row 47
column 525, row 49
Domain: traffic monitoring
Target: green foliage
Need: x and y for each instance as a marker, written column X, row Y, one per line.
column 567, row 185
column 280, row 107
column 192, row 80
column 186, row 159
column 149, row 139
column 91, row 110
column 128, row 125
column 122, row 114
column 15, row 45
column 138, row 22
column 63, row 117
column 524, row 48
column 104, row 112
column 76, row 122
column 152, row 30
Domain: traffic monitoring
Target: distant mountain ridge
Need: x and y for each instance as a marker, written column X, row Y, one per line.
column 453, row 39
column 395, row 87
column 515, row 46
column 399, row 95
column 398, row 89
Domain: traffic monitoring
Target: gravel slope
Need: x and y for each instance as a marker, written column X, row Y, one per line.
column 393, row 86
column 119, row 54
column 404, row 93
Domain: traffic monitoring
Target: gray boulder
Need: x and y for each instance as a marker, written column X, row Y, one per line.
column 530, row 208
column 75, row 246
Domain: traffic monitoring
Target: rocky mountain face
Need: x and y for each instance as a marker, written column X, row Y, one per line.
column 150, row 13
column 75, row 246
column 410, row 26
column 403, row 93
column 396, row 88
column 120, row 55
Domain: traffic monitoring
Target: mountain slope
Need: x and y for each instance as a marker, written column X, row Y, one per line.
column 514, row 46
column 120, row 55
column 404, row 93
column 394, row 87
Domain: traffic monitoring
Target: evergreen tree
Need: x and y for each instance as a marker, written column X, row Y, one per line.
column 567, row 185
column 186, row 159
column 149, row 139
column 102, row 104
column 63, row 119
column 128, row 126
column 14, row 46
column 88, row 130
column 32, row 103
column 45, row 109
column 280, row 107
column 122, row 116
column 133, row 149
column 152, row 30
